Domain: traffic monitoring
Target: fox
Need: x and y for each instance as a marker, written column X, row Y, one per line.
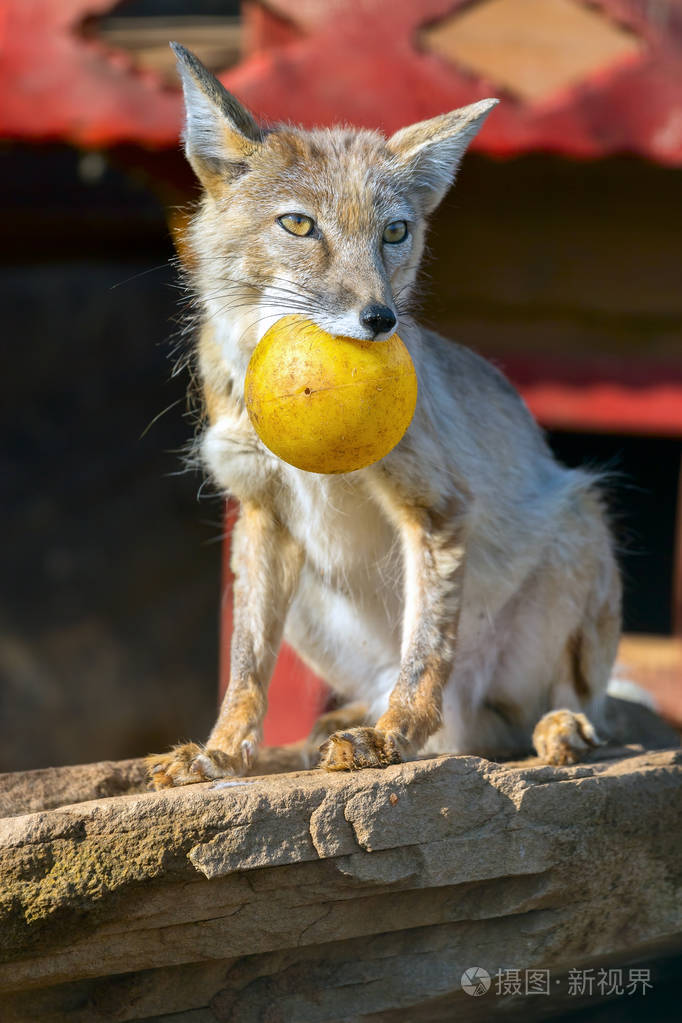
column 460, row 595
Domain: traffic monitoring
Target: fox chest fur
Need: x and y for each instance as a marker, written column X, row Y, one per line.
column 335, row 519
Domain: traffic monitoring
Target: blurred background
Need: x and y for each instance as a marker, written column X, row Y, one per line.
column 557, row 255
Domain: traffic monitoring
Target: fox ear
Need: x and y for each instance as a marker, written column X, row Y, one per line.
column 220, row 134
column 430, row 152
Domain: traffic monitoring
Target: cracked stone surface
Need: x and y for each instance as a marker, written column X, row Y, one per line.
column 316, row 897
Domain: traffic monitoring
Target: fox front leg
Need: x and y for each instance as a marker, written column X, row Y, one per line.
column 266, row 562
column 433, row 557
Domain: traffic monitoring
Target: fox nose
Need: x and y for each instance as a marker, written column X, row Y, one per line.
column 377, row 318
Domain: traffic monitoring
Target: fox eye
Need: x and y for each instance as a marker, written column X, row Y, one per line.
column 395, row 232
column 297, row 223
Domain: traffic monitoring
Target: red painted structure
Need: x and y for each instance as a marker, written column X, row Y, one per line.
column 598, row 396
column 324, row 61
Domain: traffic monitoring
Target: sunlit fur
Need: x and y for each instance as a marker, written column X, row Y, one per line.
column 462, row 587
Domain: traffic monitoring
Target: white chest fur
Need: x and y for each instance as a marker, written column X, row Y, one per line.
column 346, row 537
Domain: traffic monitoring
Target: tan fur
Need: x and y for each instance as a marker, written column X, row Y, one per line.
column 463, row 589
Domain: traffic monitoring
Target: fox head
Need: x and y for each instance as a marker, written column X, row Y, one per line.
column 327, row 223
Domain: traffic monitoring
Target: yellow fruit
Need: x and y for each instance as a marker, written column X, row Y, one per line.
column 329, row 404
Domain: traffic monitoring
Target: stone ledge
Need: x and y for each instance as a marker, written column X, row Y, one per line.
column 318, row 897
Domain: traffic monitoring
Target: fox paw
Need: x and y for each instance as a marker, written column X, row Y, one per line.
column 190, row 763
column 563, row 737
column 358, row 748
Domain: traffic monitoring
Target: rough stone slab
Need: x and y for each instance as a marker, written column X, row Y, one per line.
column 315, row 897
column 528, row 864
column 24, row 792
column 410, row 975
